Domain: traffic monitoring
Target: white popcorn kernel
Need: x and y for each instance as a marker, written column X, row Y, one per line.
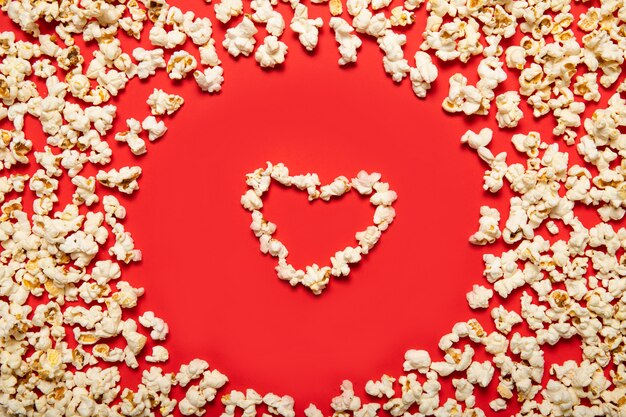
column 509, row 113
column 394, row 62
column 162, row 103
column 307, row 29
column 364, row 182
column 347, row 40
column 148, row 61
column 418, row 360
column 155, row 129
column 282, row 406
column 480, row 373
column 347, row 401
column 208, row 54
column 381, row 388
column 313, row 411
column 239, row 39
column 338, row 187
column 225, row 10
column 159, row 354
column 131, row 137
column 489, row 230
column 125, row 180
column 180, row 64
column 271, row 53
column 159, row 328
column 423, row 75
column 210, row 80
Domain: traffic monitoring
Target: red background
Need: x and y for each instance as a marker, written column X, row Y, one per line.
column 202, row 268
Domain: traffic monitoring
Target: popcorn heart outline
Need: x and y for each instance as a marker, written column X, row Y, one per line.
column 314, row 277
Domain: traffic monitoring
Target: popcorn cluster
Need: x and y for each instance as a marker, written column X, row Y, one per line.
column 65, row 307
column 314, row 277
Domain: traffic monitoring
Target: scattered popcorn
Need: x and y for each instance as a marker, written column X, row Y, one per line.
column 572, row 282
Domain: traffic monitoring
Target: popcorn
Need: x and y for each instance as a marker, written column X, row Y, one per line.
column 265, row 13
column 208, row 54
column 159, row 354
column 314, row 277
column 155, row 128
column 575, row 279
column 395, row 64
column 480, row 373
column 381, row 388
column 131, row 137
column 240, row 39
column 210, row 80
column 225, row 10
column 479, row 297
column 489, row 230
column 509, row 113
column 307, row 29
column 167, row 39
column 162, row 103
column 125, row 180
column 423, row 75
column 180, row 64
column 347, row 401
column 271, row 53
column 148, row 61
column 348, row 42
column 416, row 360
column 158, row 326
column 282, row 406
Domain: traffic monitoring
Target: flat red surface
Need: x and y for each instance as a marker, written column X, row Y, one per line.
column 202, row 268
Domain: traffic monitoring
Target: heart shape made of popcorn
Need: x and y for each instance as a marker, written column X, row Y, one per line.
column 314, row 277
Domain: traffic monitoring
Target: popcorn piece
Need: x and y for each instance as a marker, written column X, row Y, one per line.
column 489, row 230
column 159, row 327
column 381, row 388
column 180, row 64
column 125, row 180
column 509, row 113
column 347, row 401
column 271, row 53
column 225, row 10
column 395, row 64
column 348, row 42
column 131, row 137
column 240, row 39
column 162, row 103
column 423, row 75
column 210, row 80
column 307, row 29
column 418, row 360
column 479, row 297
column 159, row 354
column 155, row 128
